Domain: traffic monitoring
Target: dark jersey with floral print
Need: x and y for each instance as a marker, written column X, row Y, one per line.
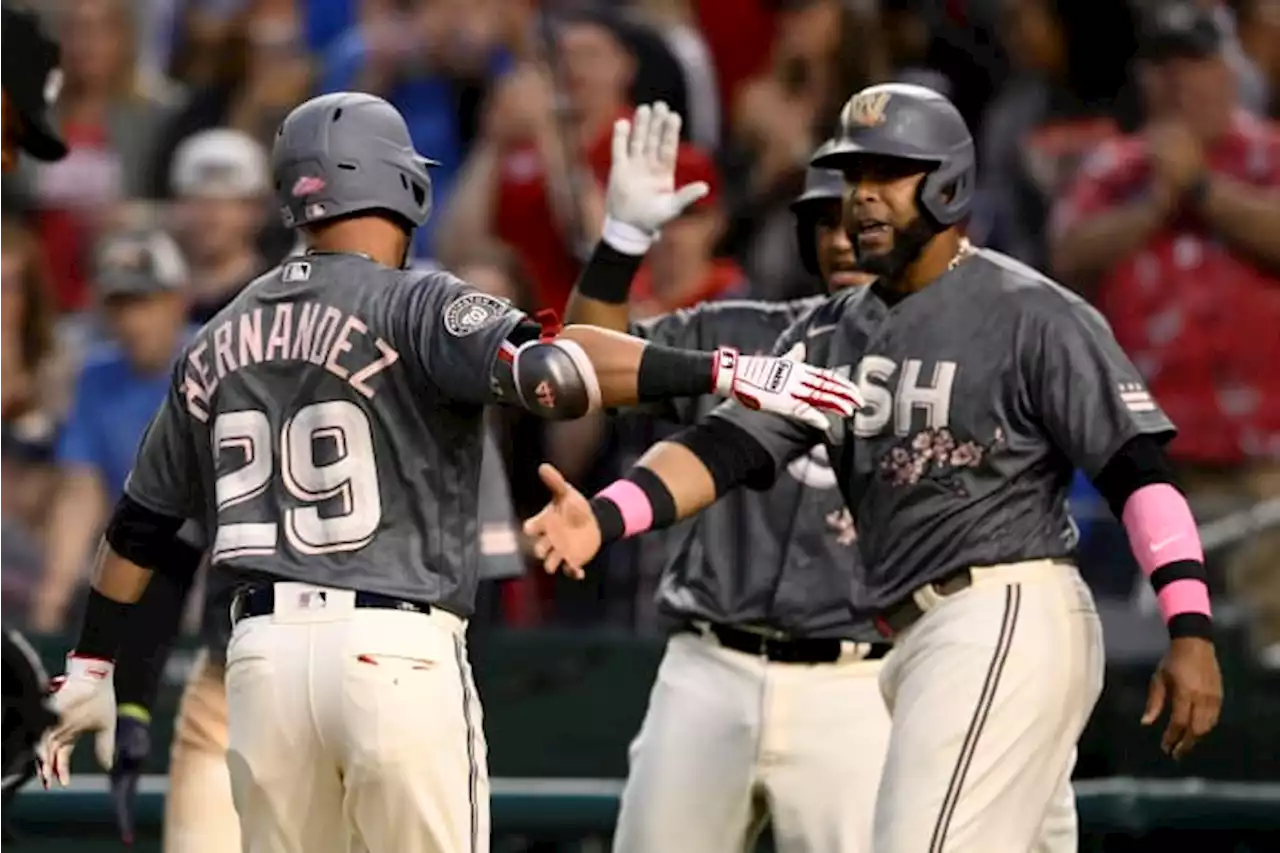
column 983, row 392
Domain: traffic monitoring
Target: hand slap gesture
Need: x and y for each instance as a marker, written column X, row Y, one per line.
column 565, row 534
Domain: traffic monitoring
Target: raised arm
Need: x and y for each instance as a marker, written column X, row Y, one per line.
column 640, row 199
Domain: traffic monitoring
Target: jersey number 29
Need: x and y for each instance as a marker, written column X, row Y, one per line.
column 349, row 483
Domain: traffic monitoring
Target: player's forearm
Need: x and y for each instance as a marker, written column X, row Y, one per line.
column 630, row 370
column 138, row 542
column 1137, row 484
column 1096, row 243
column 1246, row 216
column 679, row 478
column 146, row 647
column 600, row 296
column 467, row 219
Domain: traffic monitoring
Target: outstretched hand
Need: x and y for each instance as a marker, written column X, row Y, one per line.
column 565, row 534
column 642, row 177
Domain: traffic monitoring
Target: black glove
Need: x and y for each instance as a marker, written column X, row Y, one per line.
column 133, row 744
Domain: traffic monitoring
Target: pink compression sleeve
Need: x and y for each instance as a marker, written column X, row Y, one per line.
column 1161, row 532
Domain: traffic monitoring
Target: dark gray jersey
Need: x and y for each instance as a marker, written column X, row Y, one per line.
column 784, row 558
column 328, row 426
column 983, row 391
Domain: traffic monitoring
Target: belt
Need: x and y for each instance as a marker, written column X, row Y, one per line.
column 901, row 616
column 261, row 601
column 802, row 650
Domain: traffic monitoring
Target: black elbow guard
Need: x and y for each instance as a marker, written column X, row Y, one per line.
column 150, row 540
column 555, row 379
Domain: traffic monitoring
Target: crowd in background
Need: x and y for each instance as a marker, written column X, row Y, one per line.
column 1107, row 132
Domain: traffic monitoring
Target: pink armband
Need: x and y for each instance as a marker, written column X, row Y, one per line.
column 1166, row 543
column 632, row 503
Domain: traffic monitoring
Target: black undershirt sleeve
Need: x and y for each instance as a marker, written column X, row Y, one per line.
column 1141, row 461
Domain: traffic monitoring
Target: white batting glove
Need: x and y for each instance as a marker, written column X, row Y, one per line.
column 785, row 385
column 84, row 698
column 642, row 194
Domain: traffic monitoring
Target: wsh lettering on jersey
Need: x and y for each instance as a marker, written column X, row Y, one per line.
column 903, row 398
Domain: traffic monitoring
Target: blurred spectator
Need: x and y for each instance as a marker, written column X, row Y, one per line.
column 109, row 121
column 140, row 279
column 221, row 179
column 738, row 34
column 1174, row 231
column 1259, row 30
column 260, row 73
column 1044, row 119
column 779, row 117
column 674, row 21
column 429, row 58
column 33, row 389
column 534, row 181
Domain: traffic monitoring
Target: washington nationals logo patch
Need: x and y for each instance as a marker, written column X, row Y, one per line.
column 471, row 313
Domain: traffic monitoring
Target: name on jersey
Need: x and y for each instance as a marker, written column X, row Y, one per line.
column 289, row 331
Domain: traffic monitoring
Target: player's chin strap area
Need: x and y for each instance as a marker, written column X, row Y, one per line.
column 554, row 376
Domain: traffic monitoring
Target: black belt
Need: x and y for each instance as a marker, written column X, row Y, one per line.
column 261, row 601
column 804, row 650
column 904, row 614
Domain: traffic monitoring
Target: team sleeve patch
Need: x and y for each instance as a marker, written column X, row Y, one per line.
column 1135, row 397
column 471, row 312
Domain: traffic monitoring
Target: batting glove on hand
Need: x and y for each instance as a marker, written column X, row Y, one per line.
column 133, row 745
column 84, row 698
column 642, row 194
column 785, row 385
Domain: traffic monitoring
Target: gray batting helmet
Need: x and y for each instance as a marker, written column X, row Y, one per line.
column 819, row 185
column 911, row 123
column 346, row 153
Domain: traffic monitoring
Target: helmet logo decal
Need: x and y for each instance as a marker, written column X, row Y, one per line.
column 866, row 109
column 307, row 185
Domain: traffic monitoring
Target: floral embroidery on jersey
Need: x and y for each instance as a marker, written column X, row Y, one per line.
column 840, row 522
column 935, row 455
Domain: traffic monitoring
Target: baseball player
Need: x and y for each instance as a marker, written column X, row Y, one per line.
column 767, row 702
column 985, row 383
column 326, row 429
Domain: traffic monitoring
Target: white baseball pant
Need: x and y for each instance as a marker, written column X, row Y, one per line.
column 989, row 692
column 354, row 729
column 731, row 740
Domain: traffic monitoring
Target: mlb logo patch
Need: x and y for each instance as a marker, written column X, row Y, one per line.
column 307, row 185
column 296, row 271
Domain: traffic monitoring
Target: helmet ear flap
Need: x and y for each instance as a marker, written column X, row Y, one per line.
column 946, row 194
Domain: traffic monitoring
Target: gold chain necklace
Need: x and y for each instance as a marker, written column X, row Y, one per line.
column 962, row 254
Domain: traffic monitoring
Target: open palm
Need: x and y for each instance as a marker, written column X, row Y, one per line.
column 565, row 534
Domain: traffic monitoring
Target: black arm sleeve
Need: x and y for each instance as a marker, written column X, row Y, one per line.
column 733, row 456
column 145, row 648
column 149, row 539
column 608, row 274
column 1140, row 461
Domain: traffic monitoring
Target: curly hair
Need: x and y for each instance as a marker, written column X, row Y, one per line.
column 36, row 329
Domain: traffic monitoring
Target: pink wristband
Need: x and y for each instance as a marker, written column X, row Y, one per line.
column 632, row 503
column 1184, row 596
